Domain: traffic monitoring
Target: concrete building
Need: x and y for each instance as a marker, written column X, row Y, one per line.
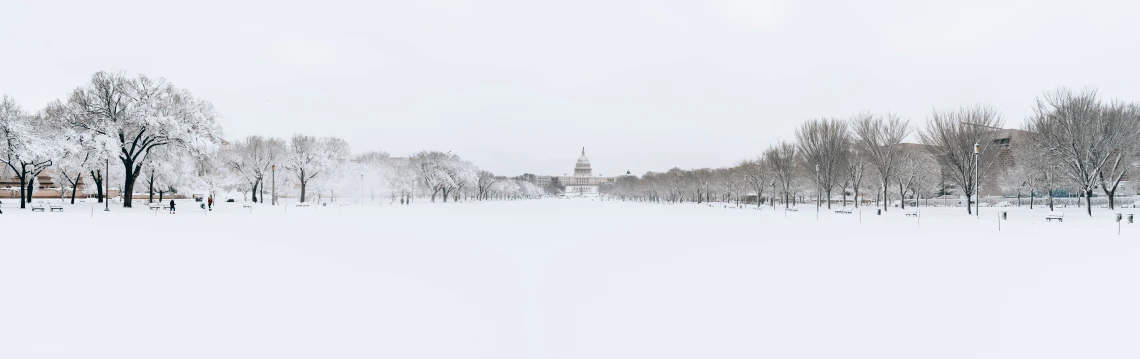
column 583, row 182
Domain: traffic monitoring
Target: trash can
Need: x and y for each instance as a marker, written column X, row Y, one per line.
column 1003, row 215
column 1118, row 217
column 1130, row 218
column 879, row 212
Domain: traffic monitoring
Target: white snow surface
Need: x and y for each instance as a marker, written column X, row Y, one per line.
column 564, row 279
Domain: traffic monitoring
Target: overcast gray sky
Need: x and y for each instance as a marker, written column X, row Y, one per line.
column 520, row 86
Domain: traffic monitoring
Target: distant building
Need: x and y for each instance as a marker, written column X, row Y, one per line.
column 583, row 182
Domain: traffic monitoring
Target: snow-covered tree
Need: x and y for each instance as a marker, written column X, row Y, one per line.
column 133, row 116
column 251, row 159
column 30, row 144
column 308, row 157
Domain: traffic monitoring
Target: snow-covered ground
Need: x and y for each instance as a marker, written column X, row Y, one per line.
column 564, row 279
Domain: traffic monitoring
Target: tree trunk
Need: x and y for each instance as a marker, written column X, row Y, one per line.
column 23, row 187
column 129, row 182
column 160, row 196
column 303, row 185
column 886, row 197
column 32, row 185
column 1030, row 200
column 1088, row 201
column 97, row 176
column 253, row 191
column 969, row 203
column 1050, row 200
column 1111, row 198
column 150, row 198
column 75, row 186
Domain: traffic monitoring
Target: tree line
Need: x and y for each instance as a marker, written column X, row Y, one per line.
column 161, row 138
column 1072, row 139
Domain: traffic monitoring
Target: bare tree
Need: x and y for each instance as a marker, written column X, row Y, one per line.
column 1083, row 137
column 757, row 176
column 878, row 139
column 951, row 136
column 1124, row 119
column 824, row 146
column 856, row 167
column 781, row 159
column 914, row 166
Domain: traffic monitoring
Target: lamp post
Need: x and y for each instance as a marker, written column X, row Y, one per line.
column 273, row 193
column 977, row 182
column 773, row 195
column 107, row 187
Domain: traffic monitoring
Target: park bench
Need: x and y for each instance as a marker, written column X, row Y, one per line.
column 55, row 207
column 792, row 209
column 1059, row 216
column 154, row 205
column 37, row 207
column 247, row 205
column 304, row 204
column 843, row 211
column 912, row 213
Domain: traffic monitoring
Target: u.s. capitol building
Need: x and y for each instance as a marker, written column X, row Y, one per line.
column 583, row 182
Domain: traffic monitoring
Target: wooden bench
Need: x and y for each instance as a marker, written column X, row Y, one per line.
column 37, row 207
column 154, row 206
column 55, row 207
column 912, row 213
column 1060, row 217
column 247, row 205
column 792, row 209
column 304, row 204
column 843, row 211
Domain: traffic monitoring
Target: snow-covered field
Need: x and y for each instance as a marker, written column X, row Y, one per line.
column 564, row 279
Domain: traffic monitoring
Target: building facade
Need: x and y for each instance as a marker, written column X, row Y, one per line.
column 583, row 183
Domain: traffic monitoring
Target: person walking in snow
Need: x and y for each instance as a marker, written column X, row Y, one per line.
column 172, row 206
column 210, row 202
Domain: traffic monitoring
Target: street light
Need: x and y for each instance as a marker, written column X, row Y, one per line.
column 773, row 195
column 977, row 183
column 273, row 194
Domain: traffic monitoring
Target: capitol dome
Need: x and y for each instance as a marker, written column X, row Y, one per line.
column 582, row 168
